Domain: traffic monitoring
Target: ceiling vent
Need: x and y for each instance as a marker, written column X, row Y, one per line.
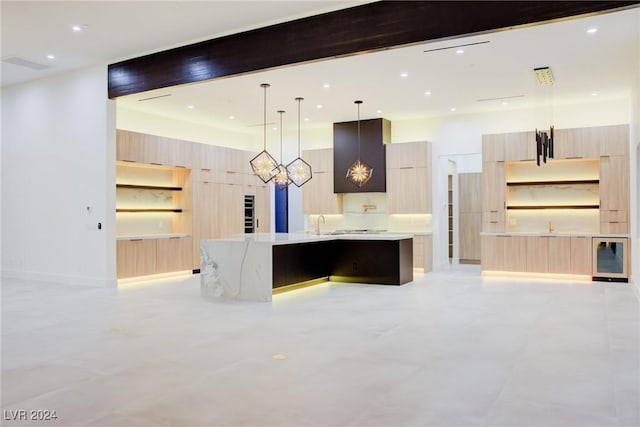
column 25, row 63
column 544, row 76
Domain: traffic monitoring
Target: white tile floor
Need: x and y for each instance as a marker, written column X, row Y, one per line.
column 450, row 349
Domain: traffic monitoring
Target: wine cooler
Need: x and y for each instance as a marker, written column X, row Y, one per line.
column 249, row 214
column 610, row 259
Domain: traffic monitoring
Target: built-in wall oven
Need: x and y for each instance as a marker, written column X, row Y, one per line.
column 610, row 259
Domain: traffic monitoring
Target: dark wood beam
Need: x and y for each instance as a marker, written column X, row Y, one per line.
column 365, row 28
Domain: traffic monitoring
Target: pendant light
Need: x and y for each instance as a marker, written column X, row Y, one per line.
column 359, row 172
column 281, row 180
column 264, row 165
column 299, row 170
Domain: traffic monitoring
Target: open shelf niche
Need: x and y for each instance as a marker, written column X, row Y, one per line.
column 559, row 196
column 152, row 200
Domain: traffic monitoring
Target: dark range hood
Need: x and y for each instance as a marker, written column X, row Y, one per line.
column 374, row 133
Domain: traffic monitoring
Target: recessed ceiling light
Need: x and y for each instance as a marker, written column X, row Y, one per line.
column 453, row 109
column 274, row 128
column 306, row 119
column 52, row 57
column 594, row 94
column 319, row 106
column 190, row 107
column 505, row 103
column 232, row 117
column 460, row 51
column 76, row 28
column 592, row 30
column 379, row 111
column 326, row 85
column 404, row 75
column 428, row 93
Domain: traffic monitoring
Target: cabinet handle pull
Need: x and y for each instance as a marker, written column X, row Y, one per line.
column 231, row 171
column 406, row 167
column 135, row 240
column 205, row 169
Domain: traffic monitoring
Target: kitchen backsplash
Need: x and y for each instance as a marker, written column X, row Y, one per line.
column 368, row 211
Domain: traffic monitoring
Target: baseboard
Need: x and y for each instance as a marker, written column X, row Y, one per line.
column 63, row 279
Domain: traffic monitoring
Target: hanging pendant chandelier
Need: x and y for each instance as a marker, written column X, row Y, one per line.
column 359, row 172
column 299, row 170
column 544, row 139
column 281, row 180
column 264, row 165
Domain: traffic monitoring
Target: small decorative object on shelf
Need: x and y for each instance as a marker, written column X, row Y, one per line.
column 264, row 165
column 359, row 172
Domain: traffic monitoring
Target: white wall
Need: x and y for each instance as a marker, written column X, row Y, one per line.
column 58, row 158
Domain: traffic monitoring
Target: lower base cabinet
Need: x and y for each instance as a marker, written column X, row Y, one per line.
column 142, row 257
column 422, row 252
column 539, row 254
column 135, row 257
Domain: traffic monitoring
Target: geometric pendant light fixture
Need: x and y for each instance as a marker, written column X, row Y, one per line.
column 264, row 165
column 299, row 170
column 359, row 172
column 281, row 180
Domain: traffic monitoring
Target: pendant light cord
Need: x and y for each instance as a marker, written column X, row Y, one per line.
column 358, row 103
column 281, row 112
column 299, row 99
column 264, row 118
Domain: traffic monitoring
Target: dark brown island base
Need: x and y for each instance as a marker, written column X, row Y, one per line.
column 384, row 262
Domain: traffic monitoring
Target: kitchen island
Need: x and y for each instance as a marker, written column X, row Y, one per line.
column 249, row 267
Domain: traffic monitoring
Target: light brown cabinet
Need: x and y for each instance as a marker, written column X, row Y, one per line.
column 143, row 257
column 581, row 258
column 173, row 254
column 493, row 196
column 537, row 254
column 317, row 194
column 519, row 146
column 135, row 257
column 409, row 178
column 422, row 252
column 614, row 194
column 410, row 154
column 493, row 147
column 408, row 191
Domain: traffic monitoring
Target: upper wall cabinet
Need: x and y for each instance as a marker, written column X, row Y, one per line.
column 317, row 194
column 409, row 178
column 519, row 146
column 408, row 155
column 493, row 147
column 142, row 148
column 576, row 143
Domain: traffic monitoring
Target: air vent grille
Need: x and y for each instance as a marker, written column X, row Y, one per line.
column 25, row 63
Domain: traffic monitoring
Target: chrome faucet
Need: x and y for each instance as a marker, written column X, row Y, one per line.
column 318, row 223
